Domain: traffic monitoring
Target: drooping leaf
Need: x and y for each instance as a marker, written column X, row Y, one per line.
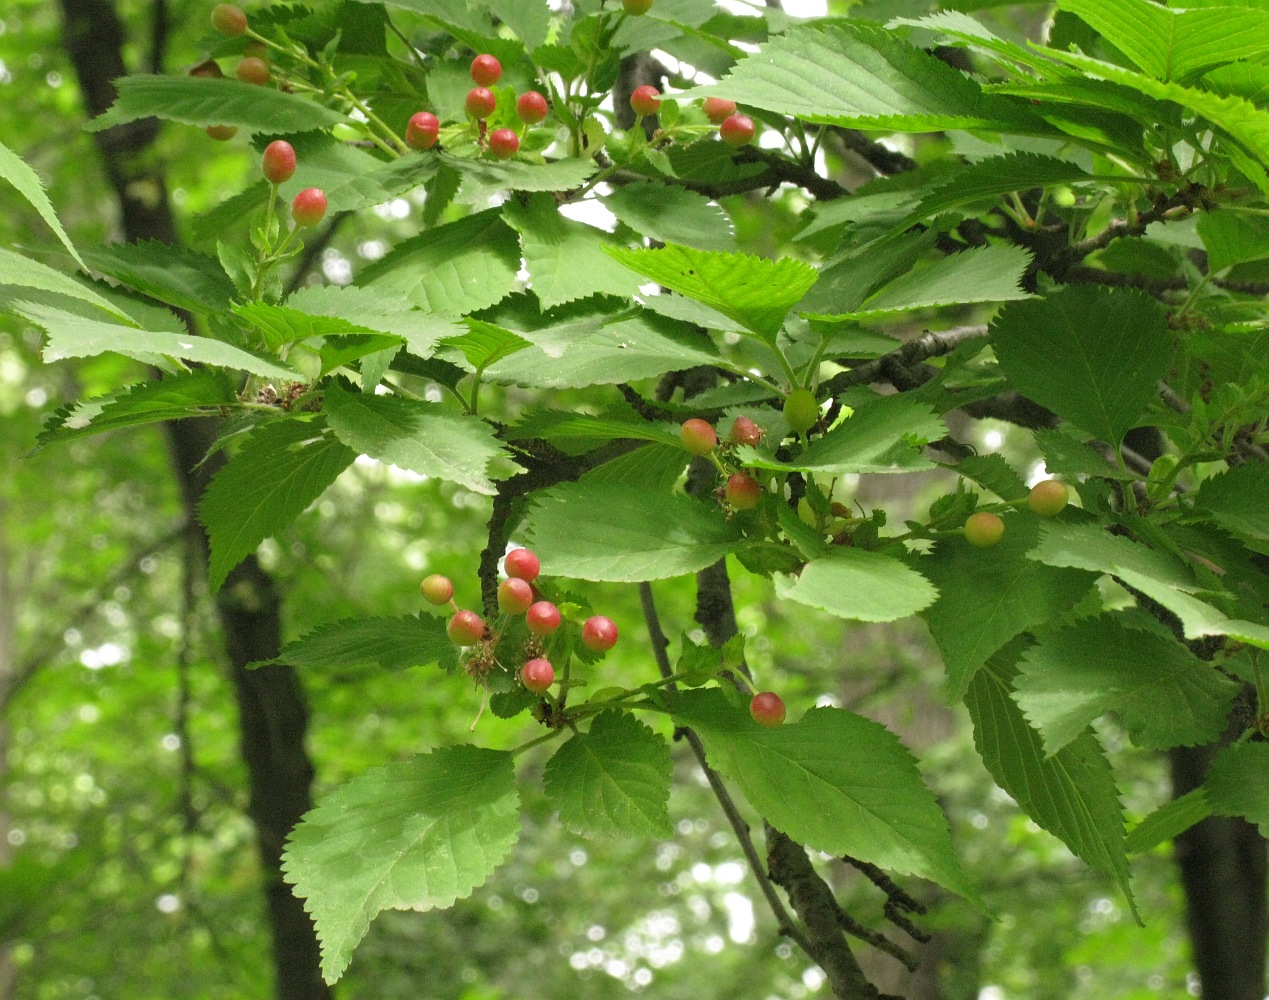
column 553, row 245
column 389, row 643
column 23, row 272
column 1093, row 356
column 756, row 292
column 73, row 336
column 372, row 309
column 606, row 531
column 653, row 469
column 1071, row 794
column 980, row 274
column 456, row 268
column 482, row 178
column 612, row 780
column 672, row 215
column 1236, row 785
column 17, row 172
column 988, row 596
column 1156, row 574
column 282, row 468
column 1232, row 237
column 1237, row 500
column 859, row 585
column 203, row 101
column 1163, row 694
column 1168, row 821
column 485, row 344
column 415, row 835
column 859, row 77
column 993, row 472
column 562, row 426
column 176, row 275
column 832, row 780
column 995, row 176
column 421, row 437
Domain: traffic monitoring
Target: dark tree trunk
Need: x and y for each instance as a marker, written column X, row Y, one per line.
column 1222, row 862
column 273, row 711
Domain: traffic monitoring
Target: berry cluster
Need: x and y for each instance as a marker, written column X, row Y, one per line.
column 481, row 102
column 740, row 490
column 278, row 163
column 1047, row 498
column 517, row 597
column 734, row 129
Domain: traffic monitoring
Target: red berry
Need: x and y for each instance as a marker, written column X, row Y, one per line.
column 229, row 20
column 645, row 100
column 537, row 674
column 466, row 628
column 1048, row 497
column 767, row 709
column 718, row 109
column 485, row 70
column 480, row 102
column 984, row 530
column 801, row 410
column 308, row 207
column 531, row 107
column 221, row 133
column 251, row 69
column 421, row 131
column 437, row 589
column 636, row 7
column 278, row 162
column 543, row 618
column 737, row 130
column 522, row 564
column 742, row 491
column 599, row 633
column 503, row 143
column 514, row 596
column 698, row 436
column 745, row 431
column 208, row 68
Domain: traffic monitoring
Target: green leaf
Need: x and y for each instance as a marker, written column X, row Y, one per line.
column 993, row 472
column 16, row 171
column 980, row 274
column 883, row 435
column 72, row 336
column 1168, row 821
column 371, row 309
column 997, row 175
column 483, row 178
column 988, row 596
column 672, row 215
column 612, row 780
column 1071, row 794
column 175, row 275
column 1068, row 457
column 415, row 835
column 1236, row 785
column 352, row 178
column 632, row 345
column 283, row 467
column 859, row 77
column 1232, row 237
column 653, row 469
column 567, row 427
column 1236, row 500
column 389, row 643
column 456, row 268
column 1093, row 356
column 1175, row 44
column 756, row 292
column 422, row 437
column 859, row 585
column 832, row 780
column 23, row 272
column 203, row 101
column 485, row 344
column 553, row 246
column 1163, row 694
column 1156, row 574
column 188, row 394
column 605, row 531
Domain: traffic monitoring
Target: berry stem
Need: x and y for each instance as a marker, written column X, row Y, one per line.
column 544, row 738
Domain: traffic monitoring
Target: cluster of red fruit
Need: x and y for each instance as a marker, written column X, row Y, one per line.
column 503, row 143
column 278, row 164
column 741, row 490
column 1047, row 498
column 517, row 596
column 734, row 129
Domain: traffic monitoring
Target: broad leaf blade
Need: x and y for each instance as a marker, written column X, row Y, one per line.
column 672, row 215
column 416, row 835
column 23, row 272
column 177, row 276
column 981, row 274
column 389, row 643
column 612, row 780
column 1236, row 783
column 281, row 469
column 834, row 781
column 859, row 585
column 17, row 172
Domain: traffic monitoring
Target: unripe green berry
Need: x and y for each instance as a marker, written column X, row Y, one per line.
column 437, row 589
column 801, row 410
column 636, row 8
column 221, row 133
column 229, row 20
column 983, row 530
column 742, row 491
column 251, row 69
column 1048, row 498
column 698, row 436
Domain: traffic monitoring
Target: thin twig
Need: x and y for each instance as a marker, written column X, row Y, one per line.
column 930, row 345
column 878, row 940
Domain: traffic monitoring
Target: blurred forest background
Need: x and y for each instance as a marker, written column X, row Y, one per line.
column 128, row 861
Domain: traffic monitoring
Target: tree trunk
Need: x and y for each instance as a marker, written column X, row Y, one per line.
column 272, row 707
column 8, row 614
